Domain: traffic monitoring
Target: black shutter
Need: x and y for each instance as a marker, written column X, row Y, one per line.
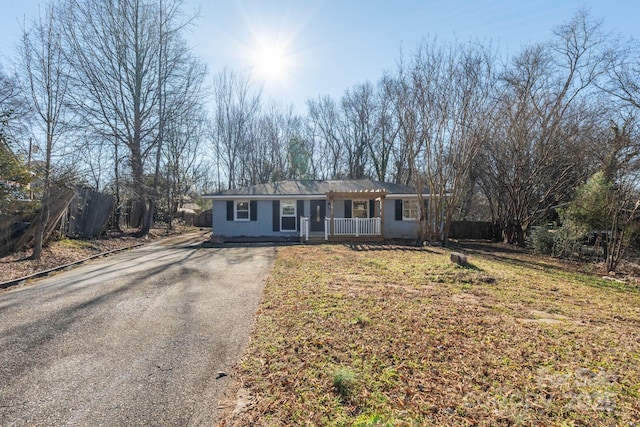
column 300, row 211
column 253, row 210
column 276, row 215
column 398, row 210
column 372, row 208
column 347, row 208
column 229, row 210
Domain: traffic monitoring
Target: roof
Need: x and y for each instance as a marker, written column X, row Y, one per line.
column 311, row 188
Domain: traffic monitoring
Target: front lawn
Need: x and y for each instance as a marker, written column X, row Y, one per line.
column 364, row 335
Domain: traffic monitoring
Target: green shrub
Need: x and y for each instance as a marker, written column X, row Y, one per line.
column 563, row 242
column 541, row 240
column 567, row 241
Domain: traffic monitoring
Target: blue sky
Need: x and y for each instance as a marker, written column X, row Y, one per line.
column 330, row 45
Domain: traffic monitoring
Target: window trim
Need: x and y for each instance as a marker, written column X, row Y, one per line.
column 404, row 210
column 294, row 215
column 236, row 210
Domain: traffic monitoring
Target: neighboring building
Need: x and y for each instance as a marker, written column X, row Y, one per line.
column 359, row 209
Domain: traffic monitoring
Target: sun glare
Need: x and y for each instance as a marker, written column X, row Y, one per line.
column 270, row 61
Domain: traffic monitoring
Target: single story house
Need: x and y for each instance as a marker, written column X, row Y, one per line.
column 355, row 209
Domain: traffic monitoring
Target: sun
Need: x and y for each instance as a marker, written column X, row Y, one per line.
column 271, row 61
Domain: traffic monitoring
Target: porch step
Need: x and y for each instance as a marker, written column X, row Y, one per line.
column 342, row 239
column 316, row 239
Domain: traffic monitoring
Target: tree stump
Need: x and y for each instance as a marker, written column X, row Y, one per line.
column 459, row 258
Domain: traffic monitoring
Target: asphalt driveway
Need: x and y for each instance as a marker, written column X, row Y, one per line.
column 139, row 338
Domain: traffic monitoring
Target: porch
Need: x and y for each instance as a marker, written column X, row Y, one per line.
column 343, row 229
column 362, row 217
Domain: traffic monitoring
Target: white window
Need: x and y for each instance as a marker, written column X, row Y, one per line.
column 410, row 211
column 288, row 215
column 241, row 211
column 360, row 209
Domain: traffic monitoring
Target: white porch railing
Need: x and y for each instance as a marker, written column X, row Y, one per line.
column 356, row 226
column 327, row 228
column 304, row 228
column 344, row 227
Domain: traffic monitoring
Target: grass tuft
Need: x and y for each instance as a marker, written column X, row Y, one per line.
column 344, row 380
column 362, row 320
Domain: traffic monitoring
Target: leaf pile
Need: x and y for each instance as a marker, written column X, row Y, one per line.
column 357, row 336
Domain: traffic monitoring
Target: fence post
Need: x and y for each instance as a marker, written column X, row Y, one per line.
column 327, row 224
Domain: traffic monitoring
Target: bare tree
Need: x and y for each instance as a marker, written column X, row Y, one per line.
column 381, row 145
column 534, row 152
column 180, row 82
column 268, row 156
column 441, row 100
column 47, row 75
column 182, row 162
column 624, row 72
column 396, row 91
column 14, row 115
column 124, row 54
column 236, row 109
column 14, row 108
column 608, row 202
column 349, row 134
column 359, row 128
column 324, row 117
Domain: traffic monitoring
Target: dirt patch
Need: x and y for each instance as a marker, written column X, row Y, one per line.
column 544, row 317
column 547, row 318
column 465, row 299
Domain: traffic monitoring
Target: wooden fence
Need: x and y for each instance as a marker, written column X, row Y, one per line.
column 480, row 230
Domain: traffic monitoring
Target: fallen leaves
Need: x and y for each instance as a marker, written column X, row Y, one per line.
column 420, row 341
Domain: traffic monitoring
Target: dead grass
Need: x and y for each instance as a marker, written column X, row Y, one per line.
column 348, row 336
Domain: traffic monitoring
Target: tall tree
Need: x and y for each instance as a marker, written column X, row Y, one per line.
column 13, row 111
column 14, row 108
column 180, row 80
column 533, row 155
column 360, row 127
column 624, row 72
column 123, row 55
column 183, row 166
column 47, row 75
column 236, row 110
column 441, row 100
column 325, row 122
column 381, row 145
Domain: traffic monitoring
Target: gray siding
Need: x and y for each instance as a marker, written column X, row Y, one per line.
column 263, row 226
column 398, row 229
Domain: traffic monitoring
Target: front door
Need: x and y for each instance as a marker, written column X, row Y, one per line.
column 317, row 215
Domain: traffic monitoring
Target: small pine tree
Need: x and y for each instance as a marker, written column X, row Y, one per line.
column 610, row 210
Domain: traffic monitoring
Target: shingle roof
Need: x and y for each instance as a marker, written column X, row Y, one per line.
column 314, row 187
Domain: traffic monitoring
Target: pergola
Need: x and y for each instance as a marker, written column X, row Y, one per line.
column 374, row 194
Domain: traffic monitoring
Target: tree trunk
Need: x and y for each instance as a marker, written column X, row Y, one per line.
column 43, row 220
column 138, row 186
